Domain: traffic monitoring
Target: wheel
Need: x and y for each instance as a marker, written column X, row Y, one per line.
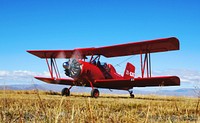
column 95, row 93
column 131, row 94
column 65, row 92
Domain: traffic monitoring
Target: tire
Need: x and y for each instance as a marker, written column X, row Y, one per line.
column 95, row 93
column 65, row 92
column 132, row 95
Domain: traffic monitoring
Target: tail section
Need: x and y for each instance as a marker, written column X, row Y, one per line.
column 129, row 72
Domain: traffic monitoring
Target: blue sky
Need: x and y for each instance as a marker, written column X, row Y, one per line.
column 67, row 24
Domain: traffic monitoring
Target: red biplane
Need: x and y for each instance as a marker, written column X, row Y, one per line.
column 95, row 74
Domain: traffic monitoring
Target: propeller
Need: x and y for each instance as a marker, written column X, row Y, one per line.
column 73, row 66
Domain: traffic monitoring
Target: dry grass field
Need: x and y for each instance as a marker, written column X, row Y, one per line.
column 50, row 107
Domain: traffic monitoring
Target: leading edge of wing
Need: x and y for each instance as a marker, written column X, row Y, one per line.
column 138, row 82
column 62, row 81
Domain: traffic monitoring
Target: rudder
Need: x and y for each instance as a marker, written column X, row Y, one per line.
column 129, row 72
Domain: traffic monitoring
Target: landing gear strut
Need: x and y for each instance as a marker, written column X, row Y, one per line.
column 131, row 94
column 65, row 92
column 95, row 93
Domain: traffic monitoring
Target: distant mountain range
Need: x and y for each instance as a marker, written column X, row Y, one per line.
column 47, row 87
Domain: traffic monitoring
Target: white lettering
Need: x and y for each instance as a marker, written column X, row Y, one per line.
column 127, row 72
column 132, row 74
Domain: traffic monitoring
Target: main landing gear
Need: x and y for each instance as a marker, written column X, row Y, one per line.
column 131, row 94
column 65, row 92
column 95, row 93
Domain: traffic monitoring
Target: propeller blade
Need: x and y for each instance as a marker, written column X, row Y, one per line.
column 72, row 67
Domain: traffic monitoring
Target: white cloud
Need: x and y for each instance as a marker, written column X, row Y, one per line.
column 4, row 73
column 185, row 75
column 19, row 76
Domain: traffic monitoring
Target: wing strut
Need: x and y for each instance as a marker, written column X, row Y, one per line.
column 50, row 69
column 53, row 68
column 145, row 64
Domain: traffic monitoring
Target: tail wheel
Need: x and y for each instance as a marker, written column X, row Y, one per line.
column 65, row 92
column 95, row 93
column 131, row 94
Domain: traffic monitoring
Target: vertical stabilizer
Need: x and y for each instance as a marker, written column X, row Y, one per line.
column 129, row 72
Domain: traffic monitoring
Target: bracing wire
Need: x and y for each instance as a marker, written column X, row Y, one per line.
column 118, row 65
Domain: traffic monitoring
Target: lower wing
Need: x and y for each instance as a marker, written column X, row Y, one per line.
column 62, row 81
column 122, row 84
column 138, row 82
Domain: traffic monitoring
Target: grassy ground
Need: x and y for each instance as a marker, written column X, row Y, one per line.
column 50, row 107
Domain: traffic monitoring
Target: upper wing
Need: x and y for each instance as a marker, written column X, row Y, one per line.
column 52, row 53
column 150, row 46
column 63, row 53
column 138, row 82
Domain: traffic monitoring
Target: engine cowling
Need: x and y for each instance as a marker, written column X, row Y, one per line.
column 72, row 68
